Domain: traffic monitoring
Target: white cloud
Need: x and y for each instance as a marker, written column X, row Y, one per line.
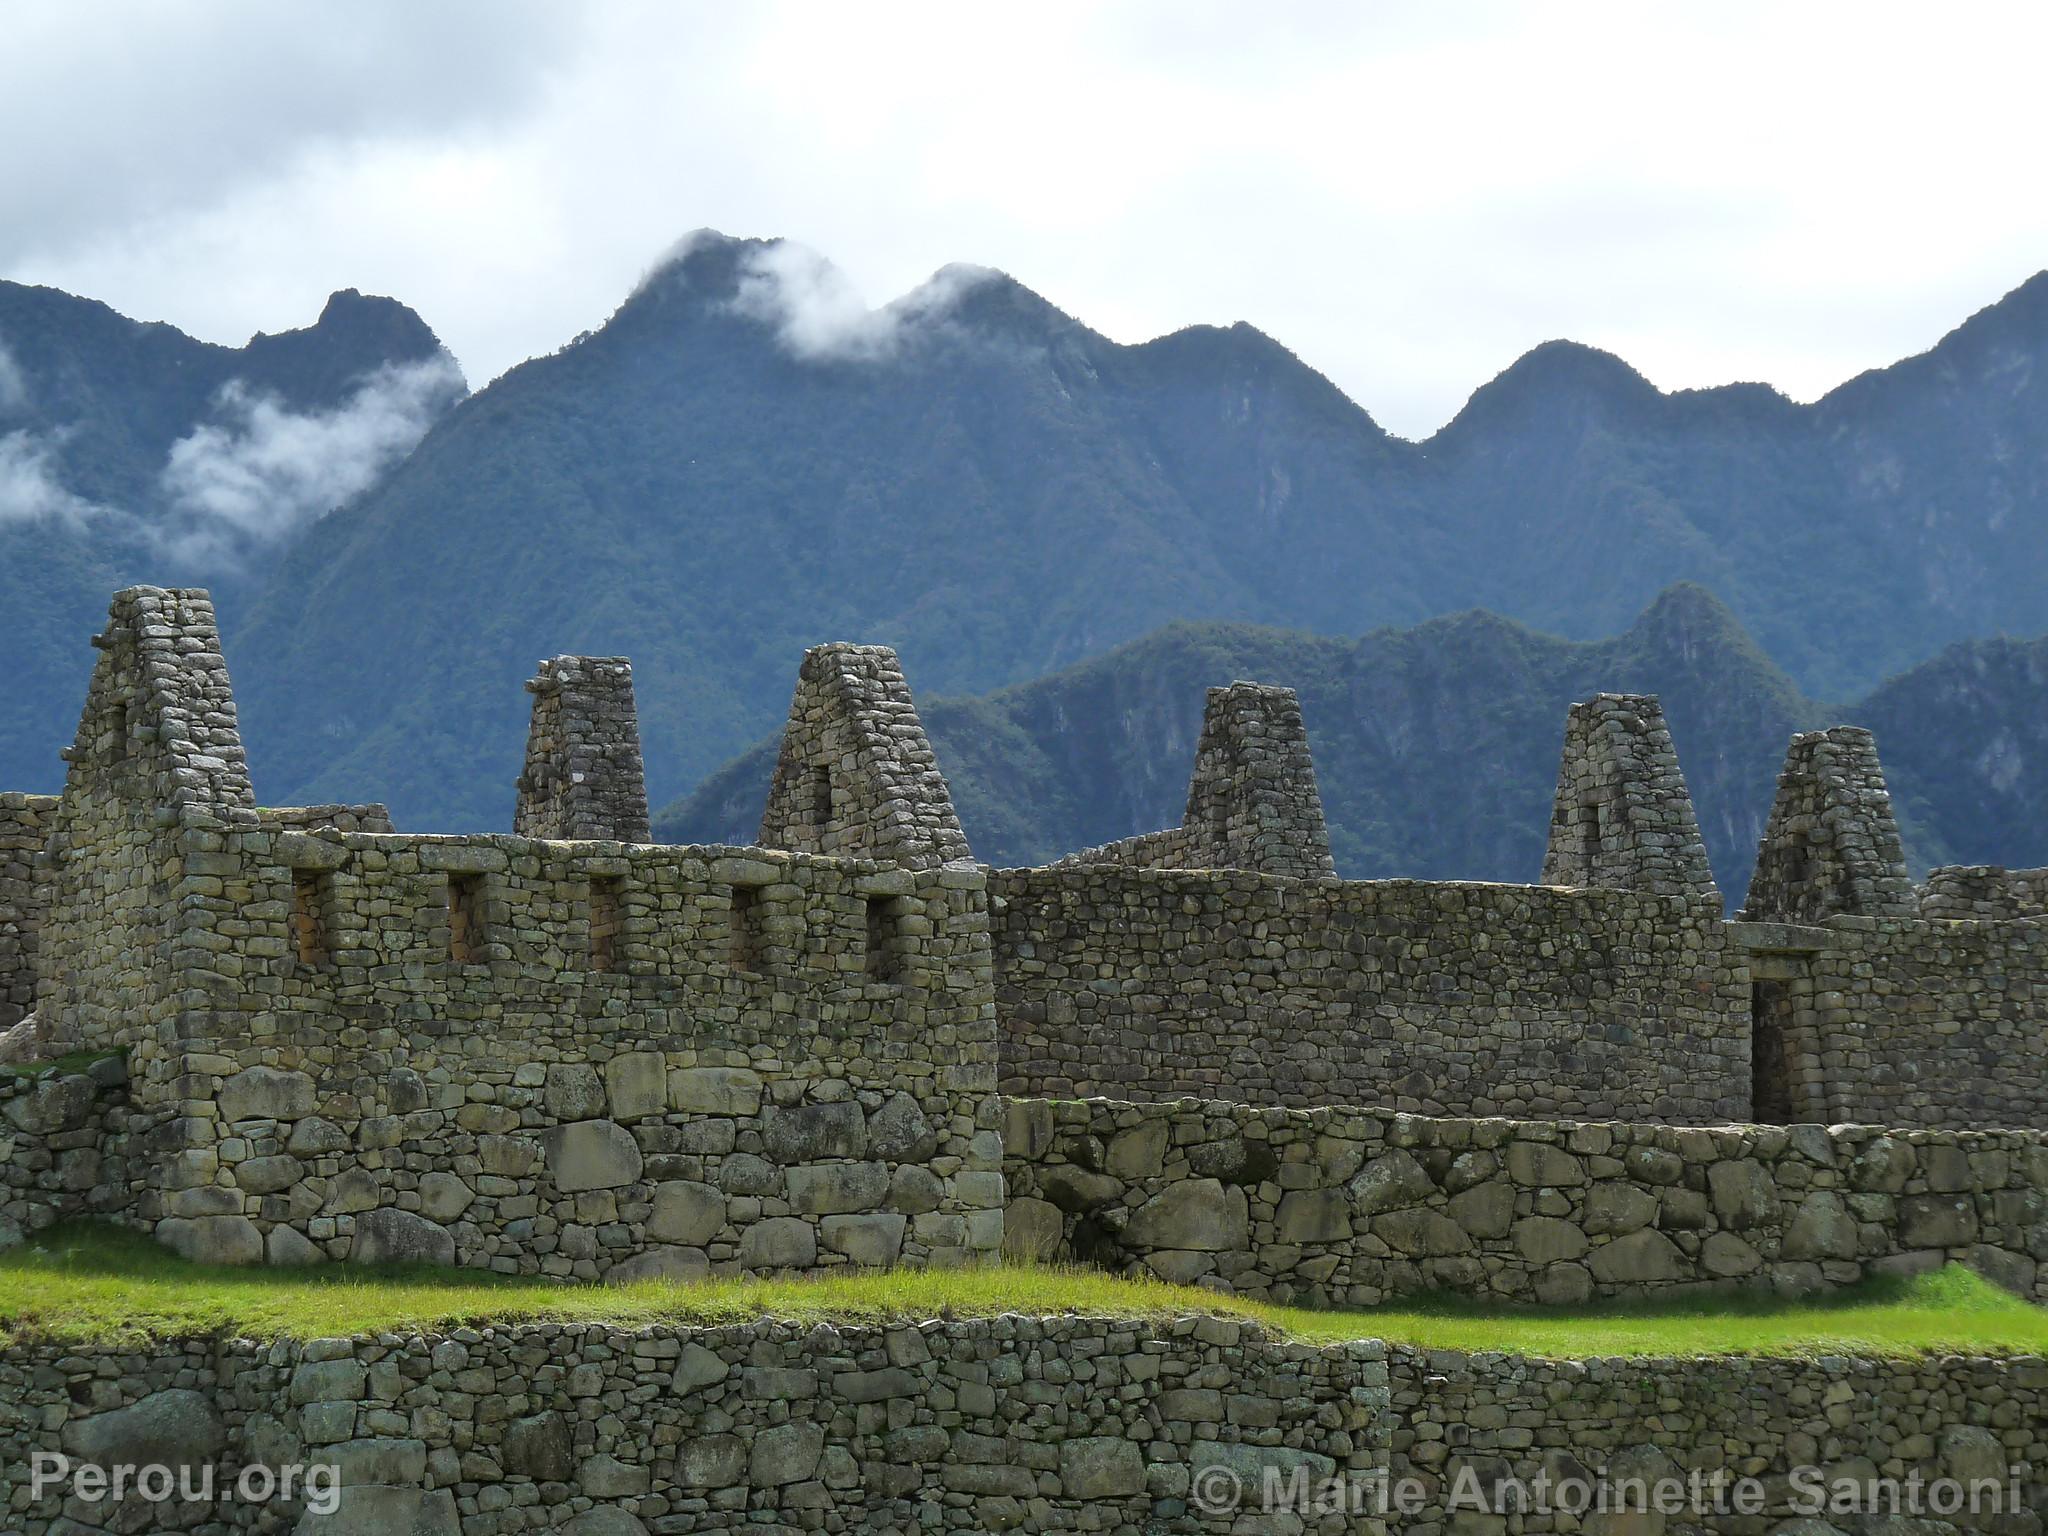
column 264, row 472
column 1408, row 194
column 30, row 491
column 818, row 314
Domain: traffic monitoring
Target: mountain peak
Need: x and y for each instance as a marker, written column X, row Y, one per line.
column 1556, row 383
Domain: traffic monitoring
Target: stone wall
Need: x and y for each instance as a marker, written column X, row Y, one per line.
column 66, row 1149
column 24, row 828
column 1432, row 997
column 856, row 774
column 1984, row 892
column 1066, row 1424
column 1014, row 1423
column 1252, row 799
column 1900, row 1021
column 1831, row 846
column 372, row 817
column 1800, row 1429
column 583, row 776
column 1354, row 1206
column 565, row 1057
column 1622, row 815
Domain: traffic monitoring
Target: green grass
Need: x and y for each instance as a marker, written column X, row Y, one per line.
column 95, row 1284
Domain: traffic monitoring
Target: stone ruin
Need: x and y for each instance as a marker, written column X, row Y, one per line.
column 1194, row 1053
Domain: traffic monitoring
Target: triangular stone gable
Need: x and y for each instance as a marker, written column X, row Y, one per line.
column 1622, row 818
column 856, row 775
column 1832, row 845
column 1252, row 798
column 159, row 724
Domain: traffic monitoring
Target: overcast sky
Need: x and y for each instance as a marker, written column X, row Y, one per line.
column 1407, row 195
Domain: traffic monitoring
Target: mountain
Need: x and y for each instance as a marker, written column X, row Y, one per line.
column 1436, row 747
column 744, row 461
column 132, row 452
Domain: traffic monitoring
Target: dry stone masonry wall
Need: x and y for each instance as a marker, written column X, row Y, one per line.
column 1431, row 997
column 24, row 828
column 1831, row 846
column 1252, row 799
column 1623, row 818
column 66, row 1149
column 1356, row 1206
column 1984, row 892
column 573, row 1058
column 856, row 774
column 1013, row 1423
column 583, row 776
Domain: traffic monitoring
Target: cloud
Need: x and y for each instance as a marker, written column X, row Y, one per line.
column 29, row 488
column 265, row 472
column 818, row 314
column 13, row 383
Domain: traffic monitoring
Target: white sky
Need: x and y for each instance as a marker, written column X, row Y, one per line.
column 1408, row 195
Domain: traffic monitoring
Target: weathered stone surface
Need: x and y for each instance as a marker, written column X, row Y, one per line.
column 591, row 1154
column 265, row 1093
column 1099, row 1467
column 1390, row 1182
column 1641, row 1258
column 813, row 1131
column 1201, row 1214
column 715, row 1091
column 821, row 1188
column 786, row 1454
column 174, row 1428
column 686, row 1212
column 636, row 1084
column 899, row 1132
column 540, row 1446
column 874, row 1242
column 399, row 1237
column 1032, row 1230
column 781, row 1242
column 1745, row 1196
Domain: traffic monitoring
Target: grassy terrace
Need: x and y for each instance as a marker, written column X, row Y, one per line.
column 98, row 1284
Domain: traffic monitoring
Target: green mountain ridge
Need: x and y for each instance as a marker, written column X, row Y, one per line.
column 983, row 482
column 1436, row 747
column 93, row 407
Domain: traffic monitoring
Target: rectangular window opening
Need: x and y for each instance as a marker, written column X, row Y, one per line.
column 885, row 941
column 467, row 930
column 1589, row 836
column 118, row 751
column 604, row 922
column 746, row 929
column 821, row 799
column 312, row 891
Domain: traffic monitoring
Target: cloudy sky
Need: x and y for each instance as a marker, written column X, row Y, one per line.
column 1408, row 195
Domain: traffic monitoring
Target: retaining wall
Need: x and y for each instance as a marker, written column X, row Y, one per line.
column 1354, row 1206
column 1429, row 997
column 1013, row 1423
column 69, row 1147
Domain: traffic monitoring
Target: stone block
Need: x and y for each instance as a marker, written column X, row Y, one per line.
column 591, row 1154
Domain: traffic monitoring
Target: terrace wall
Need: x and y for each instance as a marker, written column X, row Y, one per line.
column 1358, row 1205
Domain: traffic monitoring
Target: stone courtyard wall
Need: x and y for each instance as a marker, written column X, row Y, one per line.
column 67, row 1148
column 1909, row 1022
column 1065, row 1424
column 24, row 828
column 1431, row 997
column 1800, row 1428
column 1355, row 1206
column 566, row 1057
column 1984, row 891
column 1013, row 1423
